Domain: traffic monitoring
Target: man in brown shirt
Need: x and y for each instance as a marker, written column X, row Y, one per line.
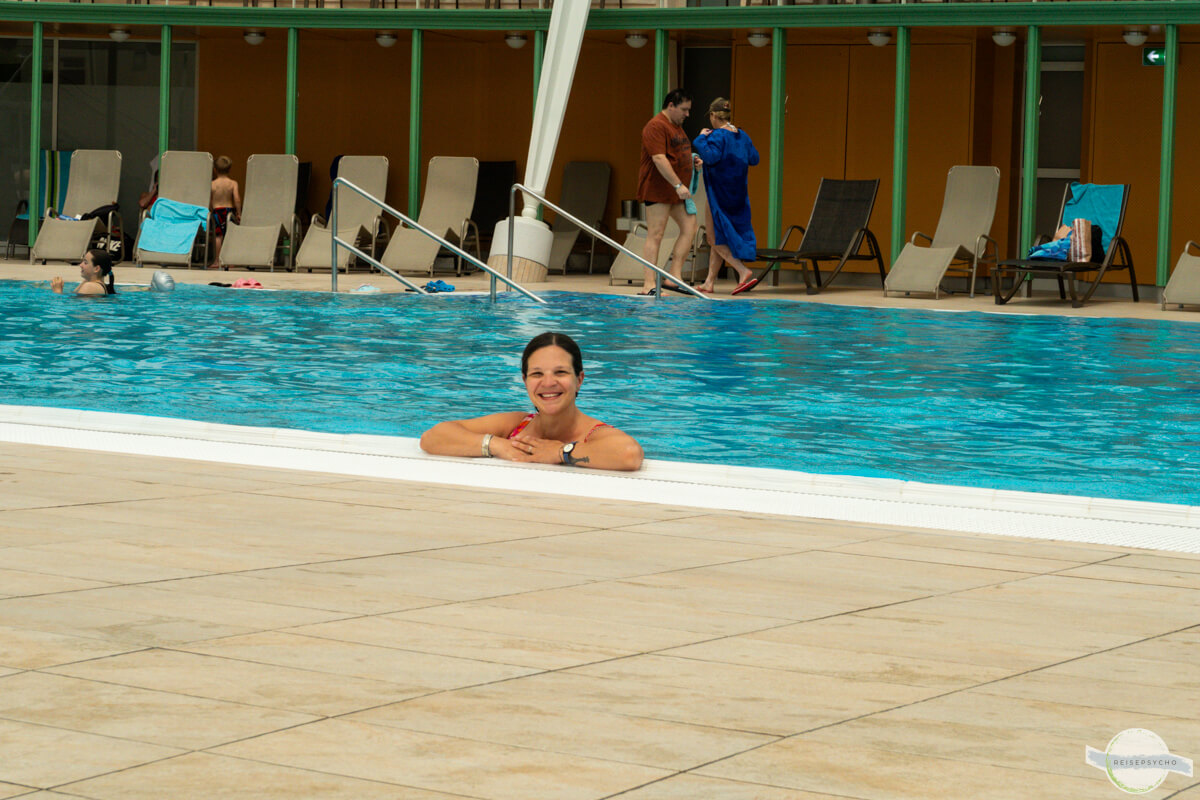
column 663, row 181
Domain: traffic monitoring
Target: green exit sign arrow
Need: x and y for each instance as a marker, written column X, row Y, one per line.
column 1154, row 56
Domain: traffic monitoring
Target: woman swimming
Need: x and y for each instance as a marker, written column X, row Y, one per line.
column 96, row 265
column 556, row 432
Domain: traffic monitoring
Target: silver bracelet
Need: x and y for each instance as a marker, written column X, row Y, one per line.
column 486, row 447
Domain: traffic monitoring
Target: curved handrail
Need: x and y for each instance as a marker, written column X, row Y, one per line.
column 659, row 273
column 335, row 242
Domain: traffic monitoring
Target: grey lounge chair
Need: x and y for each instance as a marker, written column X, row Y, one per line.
column 186, row 177
column 962, row 235
column 1184, row 287
column 358, row 218
column 584, row 195
column 95, row 182
column 627, row 269
column 1104, row 205
column 837, row 230
column 445, row 210
column 268, row 212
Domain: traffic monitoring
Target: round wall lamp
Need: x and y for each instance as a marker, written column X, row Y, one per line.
column 385, row 38
column 1003, row 37
column 254, row 36
column 515, row 40
column 118, row 34
column 880, row 37
column 758, row 38
column 636, row 40
column 1134, row 37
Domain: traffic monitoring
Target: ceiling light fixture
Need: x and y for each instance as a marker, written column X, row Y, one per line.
column 636, row 40
column 758, row 38
column 514, row 39
column 118, row 34
column 880, row 37
column 254, row 36
column 1134, row 37
column 385, row 38
column 1003, row 37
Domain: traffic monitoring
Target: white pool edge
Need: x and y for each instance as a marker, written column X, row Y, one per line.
column 894, row 503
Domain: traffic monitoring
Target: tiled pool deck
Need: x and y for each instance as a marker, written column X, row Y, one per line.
column 182, row 629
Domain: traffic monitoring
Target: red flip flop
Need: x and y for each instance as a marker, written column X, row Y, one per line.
column 746, row 286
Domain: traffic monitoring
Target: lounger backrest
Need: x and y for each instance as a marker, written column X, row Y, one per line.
column 270, row 191
column 449, row 193
column 368, row 173
column 185, row 176
column 584, row 193
column 1101, row 203
column 95, row 181
column 968, row 208
column 842, row 208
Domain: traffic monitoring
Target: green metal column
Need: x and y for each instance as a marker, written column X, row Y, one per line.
column 775, row 176
column 1166, row 170
column 539, row 55
column 164, row 92
column 414, row 127
column 1029, row 141
column 660, row 68
column 900, row 144
column 289, row 106
column 35, row 136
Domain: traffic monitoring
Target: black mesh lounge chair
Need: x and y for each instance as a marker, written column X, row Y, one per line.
column 1104, row 205
column 836, row 231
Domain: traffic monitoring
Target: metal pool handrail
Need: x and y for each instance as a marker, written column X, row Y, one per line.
column 335, row 242
column 659, row 274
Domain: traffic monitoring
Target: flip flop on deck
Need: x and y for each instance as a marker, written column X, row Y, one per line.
column 746, row 286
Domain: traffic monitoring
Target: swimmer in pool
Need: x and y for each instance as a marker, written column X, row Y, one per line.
column 95, row 267
column 556, row 432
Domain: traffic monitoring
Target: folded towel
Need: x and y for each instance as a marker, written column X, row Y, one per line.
column 689, row 205
column 171, row 226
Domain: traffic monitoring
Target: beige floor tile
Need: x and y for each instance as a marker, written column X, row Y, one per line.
column 442, row 763
column 545, row 623
column 1120, row 666
column 89, row 560
column 1171, row 562
column 202, row 776
column 29, row 488
column 890, row 548
column 272, row 686
column 41, row 756
column 794, row 534
column 46, row 526
column 142, row 715
column 267, row 586
column 397, row 662
column 474, row 715
column 491, row 646
column 805, row 658
column 630, row 511
column 608, row 554
column 1157, row 576
column 1095, row 594
column 60, row 614
column 29, row 649
column 18, row 583
column 1172, row 647
column 694, row 787
column 1009, row 545
column 43, row 795
column 865, row 772
column 1098, row 692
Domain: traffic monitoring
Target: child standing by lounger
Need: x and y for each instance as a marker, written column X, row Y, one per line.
column 225, row 201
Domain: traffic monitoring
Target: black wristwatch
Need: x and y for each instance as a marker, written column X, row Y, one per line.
column 567, row 459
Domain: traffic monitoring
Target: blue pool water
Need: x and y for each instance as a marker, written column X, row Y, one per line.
column 1092, row 407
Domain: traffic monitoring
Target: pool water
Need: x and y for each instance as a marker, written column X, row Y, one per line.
column 1107, row 408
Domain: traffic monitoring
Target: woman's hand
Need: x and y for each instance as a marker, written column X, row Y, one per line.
column 538, row 451
column 56, row 284
column 706, row 131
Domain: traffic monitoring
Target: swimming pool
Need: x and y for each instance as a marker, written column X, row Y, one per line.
column 1105, row 408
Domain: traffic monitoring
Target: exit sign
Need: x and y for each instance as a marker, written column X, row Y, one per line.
column 1154, row 56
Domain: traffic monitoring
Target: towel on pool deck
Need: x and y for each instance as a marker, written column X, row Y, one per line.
column 171, row 226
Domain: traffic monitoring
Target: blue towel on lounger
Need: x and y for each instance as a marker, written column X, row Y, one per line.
column 171, row 226
column 1098, row 202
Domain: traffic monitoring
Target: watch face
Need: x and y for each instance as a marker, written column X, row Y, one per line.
column 568, row 447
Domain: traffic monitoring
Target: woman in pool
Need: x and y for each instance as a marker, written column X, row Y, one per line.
column 95, row 267
column 557, row 432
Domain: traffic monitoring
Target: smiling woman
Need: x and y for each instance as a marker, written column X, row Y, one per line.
column 556, row 432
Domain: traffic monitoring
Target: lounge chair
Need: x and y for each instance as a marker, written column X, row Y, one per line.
column 95, row 182
column 584, row 195
column 836, row 231
column 184, row 176
column 1103, row 205
column 627, row 269
column 268, row 213
column 359, row 219
column 445, row 210
column 962, row 235
column 53, row 181
column 1183, row 289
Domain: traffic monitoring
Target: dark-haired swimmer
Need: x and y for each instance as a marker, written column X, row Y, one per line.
column 557, row 432
column 96, row 265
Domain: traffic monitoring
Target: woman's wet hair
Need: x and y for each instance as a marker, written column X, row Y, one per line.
column 721, row 109
column 552, row 339
column 104, row 261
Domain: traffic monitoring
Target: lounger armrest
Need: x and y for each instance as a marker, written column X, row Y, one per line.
column 317, row 219
column 636, row 226
column 22, row 206
column 1041, row 239
column 1190, row 244
column 919, row 235
column 981, row 248
column 469, row 225
column 788, row 234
